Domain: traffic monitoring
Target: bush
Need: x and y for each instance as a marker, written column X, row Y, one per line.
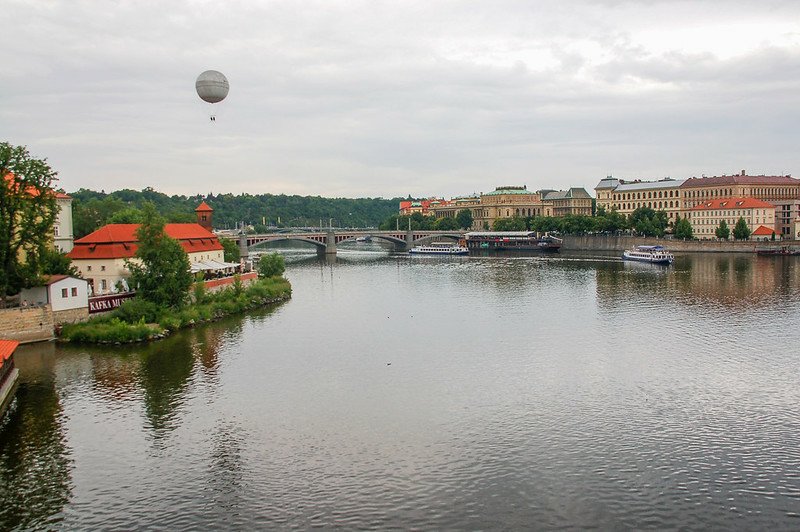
column 200, row 293
column 138, row 309
column 271, row 265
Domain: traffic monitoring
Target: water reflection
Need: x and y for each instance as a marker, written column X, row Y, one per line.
column 34, row 458
column 733, row 281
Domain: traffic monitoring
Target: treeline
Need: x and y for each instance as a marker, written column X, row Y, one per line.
column 91, row 210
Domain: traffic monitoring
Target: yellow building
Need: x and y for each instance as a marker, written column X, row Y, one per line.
column 627, row 196
column 706, row 216
column 575, row 201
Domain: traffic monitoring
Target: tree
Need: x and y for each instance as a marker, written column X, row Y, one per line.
column 683, row 229
column 741, row 231
column 162, row 275
column 53, row 262
column 648, row 222
column 230, row 249
column 128, row 215
column 271, row 265
column 509, row 224
column 447, row 224
column 464, row 218
column 723, row 231
column 27, row 213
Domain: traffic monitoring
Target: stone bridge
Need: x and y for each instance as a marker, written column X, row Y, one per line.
column 326, row 241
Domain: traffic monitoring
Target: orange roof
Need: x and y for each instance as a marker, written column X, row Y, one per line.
column 203, row 207
column 733, row 203
column 118, row 241
column 763, row 231
column 7, row 348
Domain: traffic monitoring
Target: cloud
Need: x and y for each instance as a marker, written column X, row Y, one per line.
column 382, row 99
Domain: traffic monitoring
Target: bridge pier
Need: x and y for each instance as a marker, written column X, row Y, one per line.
column 330, row 243
column 409, row 240
column 244, row 253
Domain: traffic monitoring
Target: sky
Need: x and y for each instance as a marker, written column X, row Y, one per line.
column 435, row 98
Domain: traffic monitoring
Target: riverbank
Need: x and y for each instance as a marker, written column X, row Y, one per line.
column 621, row 243
column 137, row 320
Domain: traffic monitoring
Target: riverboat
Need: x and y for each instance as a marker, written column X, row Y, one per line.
column 439, row 248
column 8, row 373
column 651, row 254
column 364, row 239
column 512, row 241
column 781, row 251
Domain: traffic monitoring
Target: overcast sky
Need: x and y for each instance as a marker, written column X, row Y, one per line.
column 384, row 99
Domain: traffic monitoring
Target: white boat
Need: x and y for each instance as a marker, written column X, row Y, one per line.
column 651, row 254
column 439, row 248
column 364, row 239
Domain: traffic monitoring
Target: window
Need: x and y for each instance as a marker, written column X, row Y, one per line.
column 74, row 291
column 55, row 230
column 88, row 268
column 63, row 292
column 102, row 268
column 103, row 284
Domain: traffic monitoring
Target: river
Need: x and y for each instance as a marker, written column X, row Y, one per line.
column 494, row 392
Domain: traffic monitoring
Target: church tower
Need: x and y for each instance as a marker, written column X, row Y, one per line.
column 203, row 212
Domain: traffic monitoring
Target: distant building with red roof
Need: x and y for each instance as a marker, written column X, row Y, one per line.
column 782, row 191
column 707, row 215
column 62, row 227
column 100, row 256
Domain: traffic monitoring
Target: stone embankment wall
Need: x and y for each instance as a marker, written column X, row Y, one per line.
column 215, row 285
column 27, row 324
column 620, row 243
column 60, row 317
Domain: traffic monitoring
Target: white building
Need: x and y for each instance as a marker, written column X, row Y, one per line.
column 63, row 237
column 61, row 292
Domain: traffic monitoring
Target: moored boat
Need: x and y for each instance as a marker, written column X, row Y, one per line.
column 8, row 373
column 439, row 248
column 651, row 254
column 781, row 251
column 512, row 241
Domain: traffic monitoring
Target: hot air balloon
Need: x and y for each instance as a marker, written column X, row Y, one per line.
column 212, row 87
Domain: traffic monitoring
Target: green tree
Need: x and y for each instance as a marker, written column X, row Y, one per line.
column 509, row 224
column 27, row 213
column 447, row 224
column 683, row 229
column 162, row 275
column 230, row 250
column 741, row 231
column 464, row 218
column 53, row 262
column 271, row 265
column 648, row 222
column 128, row 215
column 723, row 231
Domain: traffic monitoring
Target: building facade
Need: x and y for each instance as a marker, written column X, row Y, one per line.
column 575, row 201
column 101, row 256
column 781, row 191
column 627, row 196
column 707, row 215
column 63, row 238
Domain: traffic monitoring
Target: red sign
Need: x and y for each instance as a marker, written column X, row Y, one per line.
column 106, row 303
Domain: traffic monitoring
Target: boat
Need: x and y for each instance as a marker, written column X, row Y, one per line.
column 8, row 373
column 512, row 241
column 781, row 251
column 364, row 239
column 439, row 248
column 651, row 254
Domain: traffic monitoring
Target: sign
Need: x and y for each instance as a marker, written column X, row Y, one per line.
column 106, row 303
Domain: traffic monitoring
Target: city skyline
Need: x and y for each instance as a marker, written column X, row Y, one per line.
column 371, row 99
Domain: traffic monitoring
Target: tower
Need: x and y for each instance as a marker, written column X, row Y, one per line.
column 203, row 212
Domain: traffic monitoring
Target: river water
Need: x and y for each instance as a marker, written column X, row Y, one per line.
column 497, row 392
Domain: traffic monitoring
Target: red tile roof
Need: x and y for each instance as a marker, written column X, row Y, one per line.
column 715, row 181
column 203, row 207
column 732, row 203
column 118, row 241
column 7, row 348
column 763, row 231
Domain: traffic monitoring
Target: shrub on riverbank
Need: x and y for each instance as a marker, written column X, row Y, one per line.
column 137, row 320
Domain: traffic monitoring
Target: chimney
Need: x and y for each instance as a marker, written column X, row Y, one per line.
column 743, row 172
